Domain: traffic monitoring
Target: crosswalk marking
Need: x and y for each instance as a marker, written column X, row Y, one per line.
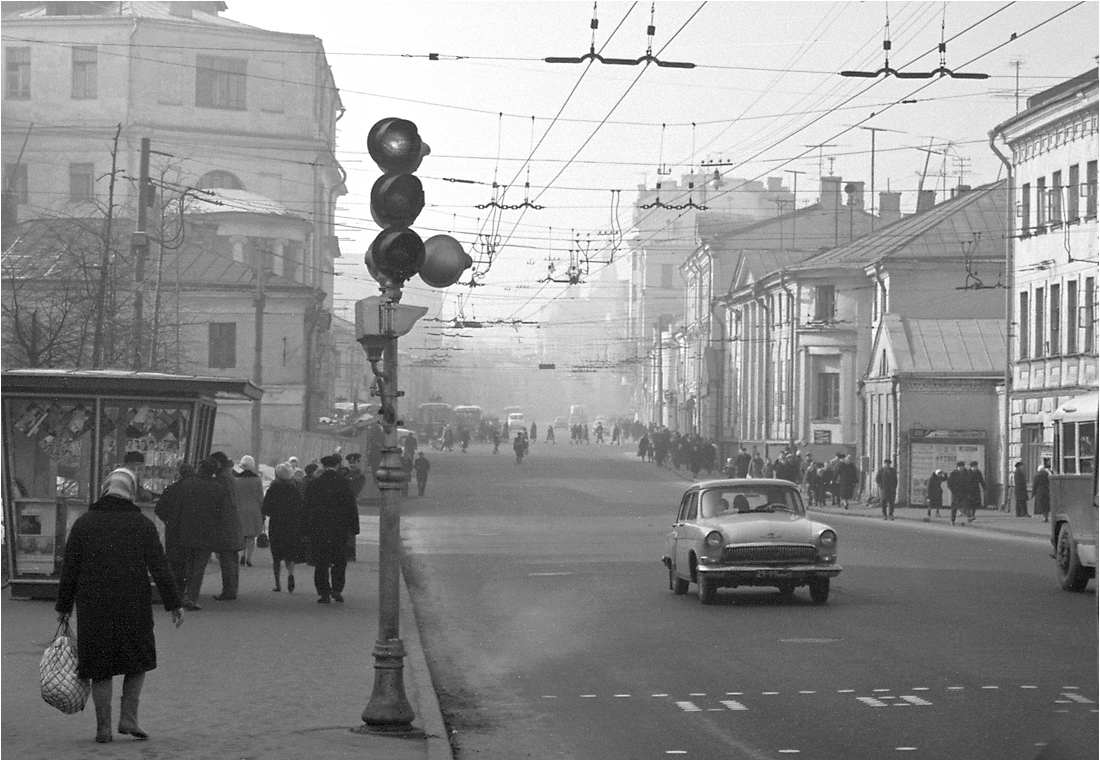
column 733, row 705
column 1076, row 698
column 687, row 705
column 874, row 703
column 915, row 700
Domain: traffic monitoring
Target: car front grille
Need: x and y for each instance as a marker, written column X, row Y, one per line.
column 769, row 553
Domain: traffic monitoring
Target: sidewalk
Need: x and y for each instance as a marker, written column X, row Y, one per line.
column 271, row 675
column 985, row 520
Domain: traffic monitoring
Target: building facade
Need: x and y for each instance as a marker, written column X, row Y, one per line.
column 1052, row 348
column 225, row 106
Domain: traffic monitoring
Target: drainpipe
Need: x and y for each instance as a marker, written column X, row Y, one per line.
column 1010, row 280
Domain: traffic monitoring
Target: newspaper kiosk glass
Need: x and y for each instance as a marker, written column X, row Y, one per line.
column 60, row 444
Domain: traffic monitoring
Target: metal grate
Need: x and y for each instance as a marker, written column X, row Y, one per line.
column 770, row 553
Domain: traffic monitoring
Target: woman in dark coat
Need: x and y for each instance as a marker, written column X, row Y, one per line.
column 230, row 539
column 285, row 511
column 110, row 553
column 1040, row 492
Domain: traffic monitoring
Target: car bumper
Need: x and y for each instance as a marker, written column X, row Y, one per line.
column 766, row 575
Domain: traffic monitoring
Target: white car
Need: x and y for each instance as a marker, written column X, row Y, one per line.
column 748, row 532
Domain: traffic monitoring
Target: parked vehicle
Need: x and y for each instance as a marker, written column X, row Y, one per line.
column 516, row 423
column 748, row 532
column 1073, row 492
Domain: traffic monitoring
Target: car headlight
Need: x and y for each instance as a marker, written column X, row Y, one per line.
column 714, row 539
column 828, row 539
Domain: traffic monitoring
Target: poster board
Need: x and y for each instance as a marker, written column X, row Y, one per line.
column 940, row 449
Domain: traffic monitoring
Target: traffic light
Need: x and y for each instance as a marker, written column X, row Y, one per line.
column 396, row 199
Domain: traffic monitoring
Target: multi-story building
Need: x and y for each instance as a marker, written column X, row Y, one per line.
column 242, row 128
column 1052, row 343
column 801, row 332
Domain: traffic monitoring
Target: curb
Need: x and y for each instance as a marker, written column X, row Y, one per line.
column 435, row 731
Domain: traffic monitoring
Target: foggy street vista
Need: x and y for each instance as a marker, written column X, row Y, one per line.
column 551, row 379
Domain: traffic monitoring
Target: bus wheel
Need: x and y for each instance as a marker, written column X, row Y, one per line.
column 1073, row 576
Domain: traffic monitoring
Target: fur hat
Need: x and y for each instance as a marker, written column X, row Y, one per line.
column 331, row 461
column 284, row 472
column 247, row 463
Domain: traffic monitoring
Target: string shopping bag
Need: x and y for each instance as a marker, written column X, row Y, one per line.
column 61, row 687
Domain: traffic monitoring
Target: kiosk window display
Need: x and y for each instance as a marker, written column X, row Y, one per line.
column 59, row 448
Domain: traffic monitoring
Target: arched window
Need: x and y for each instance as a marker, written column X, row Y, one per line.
column 220, row 179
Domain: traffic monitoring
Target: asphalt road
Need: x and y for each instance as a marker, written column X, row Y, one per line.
column 551, row 631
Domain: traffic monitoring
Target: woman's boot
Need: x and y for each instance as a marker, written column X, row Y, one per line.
column 278, row 577
column 131, row 695
column 101, row 699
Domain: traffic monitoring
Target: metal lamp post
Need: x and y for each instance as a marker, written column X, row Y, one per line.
column 379, row 322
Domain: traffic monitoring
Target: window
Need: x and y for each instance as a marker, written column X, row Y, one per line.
column 1025, row 209
column 1090, row 189
column 668, row 273
column 824, row 302
column 1055, row 347
column 1039, row 323
column 81, row 182
column 1073, row 196
column 1056, row 198
column 223, row 344
column 17, row 73
column 1090, row 315
column 1078, row 447
column 1025, row 322
column 1071, row 317
column 1041, row 203
column 220, row 179
column 15, row 182
column 84, row 71
column 220, row 82
column 828, row 396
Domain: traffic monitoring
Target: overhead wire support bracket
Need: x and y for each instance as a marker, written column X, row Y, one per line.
column 648, row 58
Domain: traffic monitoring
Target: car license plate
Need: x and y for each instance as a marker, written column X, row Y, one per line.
column 772, row 574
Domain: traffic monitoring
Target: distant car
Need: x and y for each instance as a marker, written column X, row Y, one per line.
column 560, row 423
column 748, row 532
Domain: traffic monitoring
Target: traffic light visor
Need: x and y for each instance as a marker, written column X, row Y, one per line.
column 395, row 145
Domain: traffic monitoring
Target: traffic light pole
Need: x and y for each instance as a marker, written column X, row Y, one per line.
column 388, row 708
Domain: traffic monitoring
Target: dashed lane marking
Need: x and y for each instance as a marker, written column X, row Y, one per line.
column 676, row 752
column 905, row 747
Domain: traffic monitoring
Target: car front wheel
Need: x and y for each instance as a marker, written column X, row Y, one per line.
column 708, row 590
column 676, row 584
column 819, row 591
column 1073, row 576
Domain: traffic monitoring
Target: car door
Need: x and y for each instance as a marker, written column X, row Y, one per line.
column 684, row 532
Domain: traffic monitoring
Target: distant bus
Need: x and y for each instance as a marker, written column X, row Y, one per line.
column 509, row 410
column 1073, row 500
column 468, row 416
column 516, row 423
column 432, row 416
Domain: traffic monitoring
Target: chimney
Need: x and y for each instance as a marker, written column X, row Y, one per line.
column 926, row 199
column 775, row 184
column 960, row 190
column 854, row 190
column 830, row 193
column 889, row 207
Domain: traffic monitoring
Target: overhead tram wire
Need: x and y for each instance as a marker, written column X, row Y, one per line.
column 1015, row 37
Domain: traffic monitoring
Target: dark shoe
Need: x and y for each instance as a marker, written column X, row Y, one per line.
column 277, row 588
column 191, row 606
column 223, row 598
column 337, row 596
column 323, row 599
column 248, row 563
column 242, row 561
column 290, row 583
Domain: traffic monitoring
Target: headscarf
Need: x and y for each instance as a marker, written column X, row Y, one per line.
column 120, row 482
column 284, row 472
column 247, row 463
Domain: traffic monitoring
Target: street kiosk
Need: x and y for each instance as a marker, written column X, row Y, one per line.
column 65, row 430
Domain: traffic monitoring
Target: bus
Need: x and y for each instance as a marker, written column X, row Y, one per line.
column 1073, row 501
column 431, row 417
column 578, row 415
column 516, row 423
column 468, row 416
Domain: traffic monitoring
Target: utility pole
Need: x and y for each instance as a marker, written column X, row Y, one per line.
column 139, row 246
column 105, row 261
column 258, row 359
column 1017, row 63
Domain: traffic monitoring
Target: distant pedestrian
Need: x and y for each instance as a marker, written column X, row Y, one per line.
column 534, row 432
column 168, row 509
column 550, row 434
column 250, row 497
column 977, row 489
column 519, row 447
column 110, row 553
column 284, row 508
column 934, row 488
column 331, row 515
column 421, row 466
column 741, row 464
column 959, row 485
column 496, row 440
column 230, row 539
column 643, row 447
column 756, row 465
column 1019, row 490
column 887, row 482
column 1040, row 491
column 846, row 479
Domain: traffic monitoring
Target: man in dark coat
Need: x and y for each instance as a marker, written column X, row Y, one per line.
column 741, row 464
column 167, row 509
column 959, row 485
column 331, row 516
column 421, row 466
column 110, row 553
column 197, row 505
column 846, row 478
column 887, row 482
column 357, row 479
column 1019, row 490
column 230, row 536
column 935, row 491
column 977, row 489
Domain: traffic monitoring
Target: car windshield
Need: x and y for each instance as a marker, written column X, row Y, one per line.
column 732, row 500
